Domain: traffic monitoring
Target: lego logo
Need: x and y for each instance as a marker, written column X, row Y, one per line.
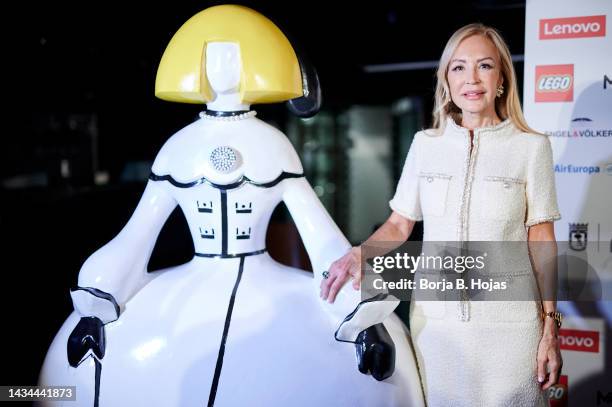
column 573, row 27
column 554, row 83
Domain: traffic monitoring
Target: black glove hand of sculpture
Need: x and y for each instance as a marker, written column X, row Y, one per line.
column 376, row 352
column 87, row 335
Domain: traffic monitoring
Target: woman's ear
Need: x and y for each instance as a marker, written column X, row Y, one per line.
column 310, row 103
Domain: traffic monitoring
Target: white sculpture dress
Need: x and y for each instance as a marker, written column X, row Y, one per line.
column 232, row 327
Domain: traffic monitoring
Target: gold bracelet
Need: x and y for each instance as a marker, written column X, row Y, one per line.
column 557, row 316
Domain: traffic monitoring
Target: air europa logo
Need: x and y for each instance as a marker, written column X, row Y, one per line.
column 578, row 340
column 573, row 27
column 554, row 83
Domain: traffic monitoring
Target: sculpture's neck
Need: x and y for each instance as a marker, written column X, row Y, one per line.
column 228, row 102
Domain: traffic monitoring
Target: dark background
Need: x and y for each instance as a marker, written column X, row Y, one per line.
column 63, row 61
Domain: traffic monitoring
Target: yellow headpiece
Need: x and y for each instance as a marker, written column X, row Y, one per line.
column 270, row 67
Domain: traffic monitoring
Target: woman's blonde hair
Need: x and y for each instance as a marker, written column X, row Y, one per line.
column 506, row 106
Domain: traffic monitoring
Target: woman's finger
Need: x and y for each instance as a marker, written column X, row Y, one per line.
column 335, row 287
column 541, row 369
column 552, row 378
column 325, row 281
column 326, row 285
column 356, row 275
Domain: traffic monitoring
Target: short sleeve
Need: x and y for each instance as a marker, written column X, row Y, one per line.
column 540, row 186
column 406, row 200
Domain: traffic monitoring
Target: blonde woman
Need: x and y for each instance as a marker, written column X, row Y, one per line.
column 481, row 174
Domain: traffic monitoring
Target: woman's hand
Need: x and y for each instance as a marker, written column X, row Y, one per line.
column 396, row 228
column 340, row 271
column 549, row 355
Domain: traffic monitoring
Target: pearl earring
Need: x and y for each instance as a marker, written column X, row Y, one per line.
column 500, row 91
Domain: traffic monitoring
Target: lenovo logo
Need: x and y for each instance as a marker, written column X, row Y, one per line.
column 573, row 27
column 554, row 83
column 581, row 341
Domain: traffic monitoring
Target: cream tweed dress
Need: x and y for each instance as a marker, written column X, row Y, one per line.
column 478, row 353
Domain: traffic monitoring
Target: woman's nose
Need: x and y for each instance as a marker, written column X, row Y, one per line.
column 471, row 77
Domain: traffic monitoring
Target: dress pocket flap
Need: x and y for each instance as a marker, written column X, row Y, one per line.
column 430, row 176
column 504, row 179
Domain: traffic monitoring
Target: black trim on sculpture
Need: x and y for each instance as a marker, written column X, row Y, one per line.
column 98, row 377
column 243, row 179
column 228, row 317
column 243, row 235
column 223, row 221
column 207, row 235
column 231, row 256
column 378, row 297
column 88, row 335
column 204, row 208
column 219, row 113
column 100, row 294
column 244, row 208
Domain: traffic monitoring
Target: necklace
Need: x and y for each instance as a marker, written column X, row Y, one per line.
column 227, row 116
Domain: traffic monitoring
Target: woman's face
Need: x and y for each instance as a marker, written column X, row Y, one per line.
column 474, row 74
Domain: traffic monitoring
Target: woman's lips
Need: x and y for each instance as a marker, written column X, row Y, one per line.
column 473, row 95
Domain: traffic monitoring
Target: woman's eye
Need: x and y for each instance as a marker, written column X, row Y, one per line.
column 486, row 66
column 457, row 68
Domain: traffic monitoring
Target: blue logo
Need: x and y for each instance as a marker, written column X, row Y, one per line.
column 579, row 169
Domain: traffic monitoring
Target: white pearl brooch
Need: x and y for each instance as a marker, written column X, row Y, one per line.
column 229, row 117
column 225, row 159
